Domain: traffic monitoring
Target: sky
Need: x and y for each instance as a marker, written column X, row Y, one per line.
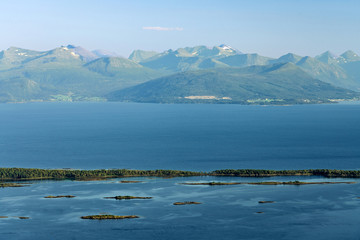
column 268, row 27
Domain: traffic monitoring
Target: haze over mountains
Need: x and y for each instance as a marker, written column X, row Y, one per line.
column 191, row 74
column 249, row 85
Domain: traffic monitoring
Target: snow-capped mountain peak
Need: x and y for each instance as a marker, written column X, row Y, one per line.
column 225, row 47
column 228, row 48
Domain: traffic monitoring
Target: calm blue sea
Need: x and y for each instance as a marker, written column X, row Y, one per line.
column 176, row 136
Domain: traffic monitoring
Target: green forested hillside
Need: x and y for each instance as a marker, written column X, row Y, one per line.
column 62, row 74
column 278, row 83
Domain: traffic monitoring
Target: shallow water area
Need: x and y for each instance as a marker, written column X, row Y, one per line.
column 226, row 212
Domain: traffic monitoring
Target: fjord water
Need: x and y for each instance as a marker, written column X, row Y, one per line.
column 176, row 136
column 227, row 212
column 186, row 137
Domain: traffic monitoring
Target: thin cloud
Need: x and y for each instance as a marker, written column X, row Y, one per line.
column 163, row 28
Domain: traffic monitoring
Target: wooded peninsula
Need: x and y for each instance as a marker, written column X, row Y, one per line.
column 72, row 174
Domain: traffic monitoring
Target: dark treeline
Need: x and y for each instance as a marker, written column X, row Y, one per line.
column 268, row 173
column 33, row 173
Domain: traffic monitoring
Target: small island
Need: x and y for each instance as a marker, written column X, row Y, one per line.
column 89, row 179
column 124, row 181
column 297, row 183
column 60, row 196
column 263, row 183
column 126, row 197
column 4, row 185
column 185, row 203
column 266, row 201
column 106, row 217
column 213, row 183
column 15, row 217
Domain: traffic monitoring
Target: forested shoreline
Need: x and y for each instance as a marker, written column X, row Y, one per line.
column 59, row 174
column 269, row 173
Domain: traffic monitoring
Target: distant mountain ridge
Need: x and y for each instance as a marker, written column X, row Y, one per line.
column 140, row 55
column 65, row 73
column 280, row 83
column 73, row 73
column 326, row 67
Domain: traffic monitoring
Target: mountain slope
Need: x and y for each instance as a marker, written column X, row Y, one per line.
column 326, row 67
column 140, row 55
column 290, row 57
column 349, row 56
column 100, row 53
column 328, row 58
column 330, row 73
column 170, row 62
column 279, row 83
column 85, row 54
column 190, row 58
column 244, row 60
column 61, row 71
column 13, row 57
column 129, row 72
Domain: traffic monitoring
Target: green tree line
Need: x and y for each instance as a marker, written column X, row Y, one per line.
column 34, row 173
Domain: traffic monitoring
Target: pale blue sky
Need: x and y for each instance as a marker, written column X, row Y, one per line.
column 268, row 27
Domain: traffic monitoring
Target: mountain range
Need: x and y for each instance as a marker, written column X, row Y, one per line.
column 192, row 74
column 281, row 83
